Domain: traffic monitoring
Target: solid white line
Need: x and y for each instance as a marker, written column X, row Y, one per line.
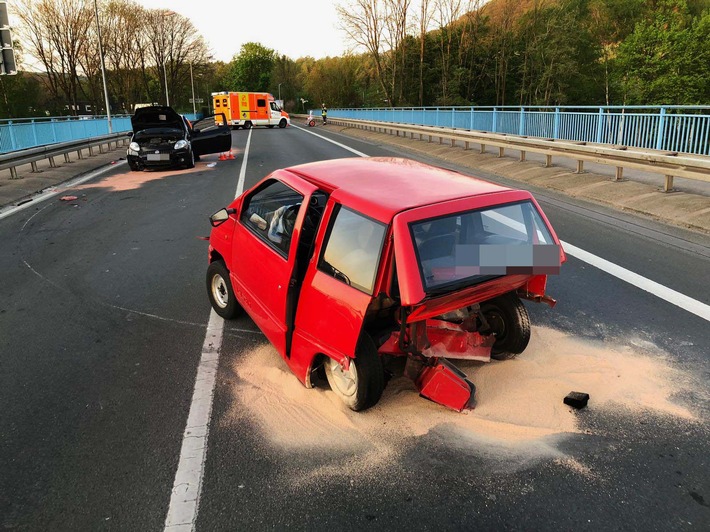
column 667, row 294
column 348, row 148
column 243, row 170
column 185, row 497
column 55, row 191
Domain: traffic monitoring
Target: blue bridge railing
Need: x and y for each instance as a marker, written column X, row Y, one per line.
column 22, row 133
column 682, row 129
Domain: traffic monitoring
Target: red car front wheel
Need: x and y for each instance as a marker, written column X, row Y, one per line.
column 220, row 292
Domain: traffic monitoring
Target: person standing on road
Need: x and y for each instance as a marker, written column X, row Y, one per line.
column 324, row 113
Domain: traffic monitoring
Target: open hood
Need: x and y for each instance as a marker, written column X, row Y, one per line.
column 159, row 116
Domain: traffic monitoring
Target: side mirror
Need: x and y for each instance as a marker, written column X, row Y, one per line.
column 129, row 133
column 220, row 217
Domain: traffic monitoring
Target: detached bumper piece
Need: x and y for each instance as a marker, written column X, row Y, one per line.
column 440, row 381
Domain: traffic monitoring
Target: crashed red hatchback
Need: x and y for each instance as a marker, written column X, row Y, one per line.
column 346, row 263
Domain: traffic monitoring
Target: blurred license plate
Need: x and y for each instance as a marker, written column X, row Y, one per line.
column 158, row 156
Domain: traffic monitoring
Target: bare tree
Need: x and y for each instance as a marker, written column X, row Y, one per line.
column 125, row 51
column 424, row 20
column 447, row 13
column 173, row 44
column 55, row 32
column 363, row 22
column 396, row 24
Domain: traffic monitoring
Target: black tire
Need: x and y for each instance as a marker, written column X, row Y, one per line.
column 282, row 123
column 134, row 166
column 312, row 123
column 220, row 292
column 191, row 160
column 361, row 386
column 509, row 320
column 247, row 125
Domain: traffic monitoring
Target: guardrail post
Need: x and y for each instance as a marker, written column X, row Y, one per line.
column 495, row 121
column 600, row 125
column 13, row 143
column 34, row 132
column 661, row 132
column 556, row 125
column 521, row 126
column 668, row 186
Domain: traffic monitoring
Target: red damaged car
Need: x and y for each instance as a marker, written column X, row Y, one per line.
column 346, row 263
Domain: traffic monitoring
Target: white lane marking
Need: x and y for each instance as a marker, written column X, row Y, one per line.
column 667, row 294
column 348, row 148
column 243, row 170
column 185, row 497
column 187, row 487
column 54, row 191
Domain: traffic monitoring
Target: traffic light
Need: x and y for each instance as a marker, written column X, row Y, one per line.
column 7, row 53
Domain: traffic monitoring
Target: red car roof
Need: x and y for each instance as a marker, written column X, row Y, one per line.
column 383, row 186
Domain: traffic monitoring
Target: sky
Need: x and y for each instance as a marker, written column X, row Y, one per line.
column 290, row 27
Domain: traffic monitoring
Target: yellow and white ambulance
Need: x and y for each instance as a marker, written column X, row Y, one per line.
column 248, row 109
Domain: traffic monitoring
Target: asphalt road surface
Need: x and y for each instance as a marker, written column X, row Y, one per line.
column 103, row 318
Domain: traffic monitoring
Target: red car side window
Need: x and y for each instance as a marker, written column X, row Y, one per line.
column 352, row 252
column 271, row 212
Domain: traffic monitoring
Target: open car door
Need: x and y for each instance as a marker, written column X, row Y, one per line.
column 211, row 135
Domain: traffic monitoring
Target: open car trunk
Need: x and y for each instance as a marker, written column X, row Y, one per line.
column 452, row 259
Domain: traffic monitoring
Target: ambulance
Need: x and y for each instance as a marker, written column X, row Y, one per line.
column 248, row 109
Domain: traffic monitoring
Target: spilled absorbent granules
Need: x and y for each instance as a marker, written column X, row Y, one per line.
column 519, row 411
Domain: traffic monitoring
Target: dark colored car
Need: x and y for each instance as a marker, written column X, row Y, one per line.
column 163, row 138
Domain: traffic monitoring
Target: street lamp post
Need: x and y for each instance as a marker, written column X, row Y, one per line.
column 103, row 69
column 192, row 83
column 165, row 76
column 280, row 89
column 164, row 14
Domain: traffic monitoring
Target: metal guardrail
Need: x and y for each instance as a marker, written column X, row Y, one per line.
column 681, row 128
column 23, row 133
column 31, row 156
column 669, row 164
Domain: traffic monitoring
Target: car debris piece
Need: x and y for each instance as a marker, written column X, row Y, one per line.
column 68, row 198
column 577, row 399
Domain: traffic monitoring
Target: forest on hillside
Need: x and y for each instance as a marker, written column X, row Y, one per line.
column 406, row 53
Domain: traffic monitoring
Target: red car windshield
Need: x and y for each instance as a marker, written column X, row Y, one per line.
column 471, row 247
